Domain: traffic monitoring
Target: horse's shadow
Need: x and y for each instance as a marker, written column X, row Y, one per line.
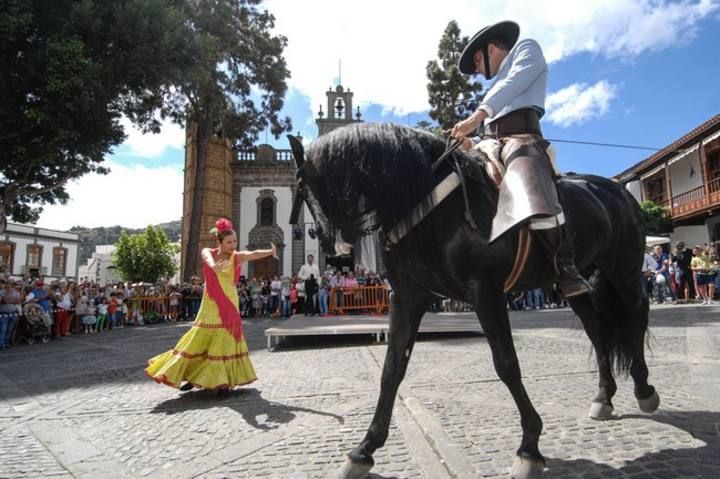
column 693, row 462
column 249, row 403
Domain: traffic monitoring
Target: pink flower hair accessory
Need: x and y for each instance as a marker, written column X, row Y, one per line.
column 223, row 224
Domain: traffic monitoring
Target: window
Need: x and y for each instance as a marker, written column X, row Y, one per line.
column 267, row 213
column 655, row 189
column 59, row 260
column 7, row 251
column 34, row 256
column 713, row 165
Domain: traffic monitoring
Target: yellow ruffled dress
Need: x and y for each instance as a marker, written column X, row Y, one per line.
column 209, row 355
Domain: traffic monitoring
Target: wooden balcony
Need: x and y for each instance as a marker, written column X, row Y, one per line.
column 695, row 201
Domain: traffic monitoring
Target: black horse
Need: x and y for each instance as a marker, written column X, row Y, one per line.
column 373, row 176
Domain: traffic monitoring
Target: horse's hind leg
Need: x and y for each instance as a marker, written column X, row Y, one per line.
column 596, row 329
column 408, row 307
column 529, row 463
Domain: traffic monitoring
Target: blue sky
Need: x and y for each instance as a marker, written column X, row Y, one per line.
column 630, row 72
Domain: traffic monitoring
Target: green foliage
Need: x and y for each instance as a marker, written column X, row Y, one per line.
column 70, row 69
column 655, row 218
column 144, row 257
column 92, row 237
column 427, row 126
column 237, row 81
column 452, row 96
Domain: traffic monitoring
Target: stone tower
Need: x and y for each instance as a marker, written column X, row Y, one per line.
column 339, row 111
column 216, row 196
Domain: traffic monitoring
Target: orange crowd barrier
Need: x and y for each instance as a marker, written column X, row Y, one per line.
column 163, row 306
column 372, row 299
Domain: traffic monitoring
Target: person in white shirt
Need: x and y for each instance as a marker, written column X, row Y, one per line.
column 275, row 289
column 648, row 270
column 309, row 268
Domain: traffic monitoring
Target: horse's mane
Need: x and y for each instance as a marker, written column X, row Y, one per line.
column 390, row 163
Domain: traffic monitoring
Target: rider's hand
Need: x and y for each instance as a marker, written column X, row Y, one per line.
column 468, row 125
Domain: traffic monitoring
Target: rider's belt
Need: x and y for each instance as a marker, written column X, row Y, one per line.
column 518, row 122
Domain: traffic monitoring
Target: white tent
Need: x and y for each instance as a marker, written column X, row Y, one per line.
column 656, row 240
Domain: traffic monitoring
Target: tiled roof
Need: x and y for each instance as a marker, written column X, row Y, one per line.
column 672, row 149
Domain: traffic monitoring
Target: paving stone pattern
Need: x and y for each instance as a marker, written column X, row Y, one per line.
column 81, row 407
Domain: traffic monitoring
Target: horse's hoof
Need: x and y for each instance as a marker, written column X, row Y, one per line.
column 600, row 411
column 650, row 404
column 524, row 468
column 354, row 470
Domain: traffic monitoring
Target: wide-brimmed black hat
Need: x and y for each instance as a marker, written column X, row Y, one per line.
column 509, row 31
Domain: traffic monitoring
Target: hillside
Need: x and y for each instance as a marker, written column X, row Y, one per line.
column 90, row 237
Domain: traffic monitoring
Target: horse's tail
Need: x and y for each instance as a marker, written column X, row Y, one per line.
column 621, row 326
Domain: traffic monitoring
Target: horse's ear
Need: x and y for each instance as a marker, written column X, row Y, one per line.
column 298, row 150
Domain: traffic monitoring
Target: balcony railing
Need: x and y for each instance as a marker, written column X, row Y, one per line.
column 695, row 200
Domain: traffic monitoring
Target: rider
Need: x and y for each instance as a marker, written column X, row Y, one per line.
column 510, row 113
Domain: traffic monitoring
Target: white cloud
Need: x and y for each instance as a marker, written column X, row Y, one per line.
column 579, row 102
column 128, row 196
column 385, row 46
column 152, row 145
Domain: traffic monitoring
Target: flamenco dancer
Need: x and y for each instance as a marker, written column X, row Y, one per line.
column 213, row 354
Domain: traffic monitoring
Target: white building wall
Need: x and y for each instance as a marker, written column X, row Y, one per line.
column 21, row 245
column 681, row 181
column 248, row 219
column 691, row 235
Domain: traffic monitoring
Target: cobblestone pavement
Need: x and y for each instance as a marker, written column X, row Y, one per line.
column 81, row 407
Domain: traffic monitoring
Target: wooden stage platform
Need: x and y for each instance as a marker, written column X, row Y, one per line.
column 376, row 326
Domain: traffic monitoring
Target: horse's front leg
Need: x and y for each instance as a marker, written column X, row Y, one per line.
column 493, row 316
column 406, row 312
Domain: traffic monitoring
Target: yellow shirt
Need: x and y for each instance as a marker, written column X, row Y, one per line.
column 701, row 264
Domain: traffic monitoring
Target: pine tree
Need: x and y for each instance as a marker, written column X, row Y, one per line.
column 451, row 94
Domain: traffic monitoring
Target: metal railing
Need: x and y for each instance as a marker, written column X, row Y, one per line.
column 372, row 299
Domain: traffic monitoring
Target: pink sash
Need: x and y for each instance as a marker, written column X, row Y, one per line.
column 229, row 314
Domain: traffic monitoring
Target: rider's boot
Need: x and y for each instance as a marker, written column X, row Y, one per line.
column 558, row 245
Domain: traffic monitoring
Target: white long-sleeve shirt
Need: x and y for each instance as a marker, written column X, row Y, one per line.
column 307, row 269
column 520, row 82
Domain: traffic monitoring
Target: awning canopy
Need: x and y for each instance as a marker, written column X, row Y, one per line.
column 656, row 240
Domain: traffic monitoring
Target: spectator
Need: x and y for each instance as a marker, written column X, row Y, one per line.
column 323, row 294
column 111, row 310
column 337, row 284
column 63, row 309
column 175, row 298
column 648, row 271
column 703, row 269
column 102, row 316
column 294, row 298
column 285, row 302
column 663, row 284
column 275, row 291
column 306, row 271
column 86, row 311
column 311, row 290
column 10, row 298
column 681, row 258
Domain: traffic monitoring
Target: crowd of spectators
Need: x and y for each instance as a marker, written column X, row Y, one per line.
column 308, row 292
column 70, row 307
column 682, row 275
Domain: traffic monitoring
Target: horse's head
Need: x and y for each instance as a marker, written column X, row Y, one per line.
column 338, row 216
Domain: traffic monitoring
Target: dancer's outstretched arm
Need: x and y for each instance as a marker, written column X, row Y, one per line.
column 257, row 254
